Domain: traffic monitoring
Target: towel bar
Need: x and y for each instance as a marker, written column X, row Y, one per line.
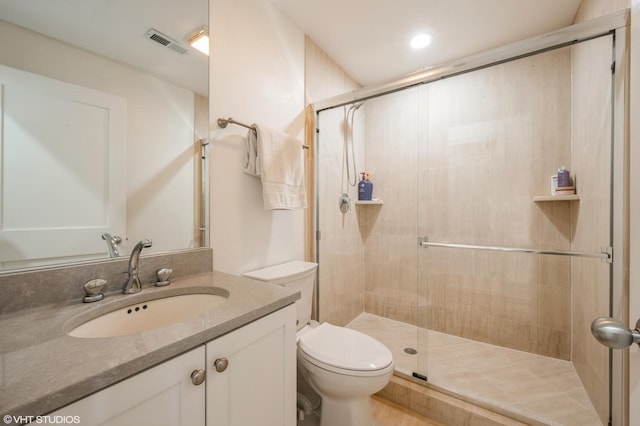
column 224, row 122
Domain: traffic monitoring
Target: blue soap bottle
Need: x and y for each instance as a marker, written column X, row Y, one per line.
column 365, row 188
column 563, row 177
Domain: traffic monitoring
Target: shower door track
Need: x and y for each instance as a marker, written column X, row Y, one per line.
column 606, row 254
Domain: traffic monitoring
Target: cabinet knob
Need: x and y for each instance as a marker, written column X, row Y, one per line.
column 221, row 364
column 198, row 376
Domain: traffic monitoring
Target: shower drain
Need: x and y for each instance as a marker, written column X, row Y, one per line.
column 410, row 351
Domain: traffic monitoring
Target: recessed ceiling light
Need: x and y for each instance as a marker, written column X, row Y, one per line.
column 421, row 40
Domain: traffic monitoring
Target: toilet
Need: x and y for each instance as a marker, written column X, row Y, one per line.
column 345, row 367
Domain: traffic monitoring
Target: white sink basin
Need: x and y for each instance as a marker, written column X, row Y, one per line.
column 149, row 315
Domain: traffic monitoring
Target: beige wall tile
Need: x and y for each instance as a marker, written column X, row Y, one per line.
column 341, row 252
column 482, row 145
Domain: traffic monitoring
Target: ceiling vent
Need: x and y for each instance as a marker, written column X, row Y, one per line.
column 166, row 41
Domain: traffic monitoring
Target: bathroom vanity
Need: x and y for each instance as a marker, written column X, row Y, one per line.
column 237, row 379
column 234, row 364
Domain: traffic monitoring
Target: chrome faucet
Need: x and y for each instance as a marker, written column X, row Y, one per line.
column 112, row 244
column 133, row 284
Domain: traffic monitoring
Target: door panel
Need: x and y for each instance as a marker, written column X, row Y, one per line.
column 52, row 204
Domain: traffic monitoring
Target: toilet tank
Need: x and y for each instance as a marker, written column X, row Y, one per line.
column 296, row 274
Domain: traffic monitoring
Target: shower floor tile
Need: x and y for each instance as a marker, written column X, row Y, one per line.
column 542, row 389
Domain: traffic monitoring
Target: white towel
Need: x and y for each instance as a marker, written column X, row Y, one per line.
column 251, row 159
column 278, row 160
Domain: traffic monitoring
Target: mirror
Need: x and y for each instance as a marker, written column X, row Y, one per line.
column 104, row 106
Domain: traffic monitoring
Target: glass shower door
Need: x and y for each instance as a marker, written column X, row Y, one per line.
column 497, row 269
column 467, row 247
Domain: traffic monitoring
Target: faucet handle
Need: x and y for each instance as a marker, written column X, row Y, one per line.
column 163, row 276
column 93, row 288
column 112, row 244
column 115, row 238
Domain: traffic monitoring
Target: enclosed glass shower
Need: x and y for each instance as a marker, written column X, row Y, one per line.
column 481, row 282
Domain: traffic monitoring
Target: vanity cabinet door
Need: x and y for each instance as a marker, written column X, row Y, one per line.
column 161, row 396
column 251, row 373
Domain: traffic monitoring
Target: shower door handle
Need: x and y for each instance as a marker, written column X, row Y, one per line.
column 614, row 334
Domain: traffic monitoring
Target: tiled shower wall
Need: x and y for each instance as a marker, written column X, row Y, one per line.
column 341, row 252
column 481, row 145
column 390, row 230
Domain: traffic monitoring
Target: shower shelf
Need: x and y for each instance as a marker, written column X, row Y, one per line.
column 371, row 202
column 573, row 197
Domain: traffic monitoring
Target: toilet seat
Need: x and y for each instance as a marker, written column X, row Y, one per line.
column 344, row 351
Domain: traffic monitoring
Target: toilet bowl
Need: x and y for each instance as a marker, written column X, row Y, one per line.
column 343, row 366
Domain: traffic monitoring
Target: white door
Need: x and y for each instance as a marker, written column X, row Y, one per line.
column 251, row 374
column 53, row 203
column 161, row 396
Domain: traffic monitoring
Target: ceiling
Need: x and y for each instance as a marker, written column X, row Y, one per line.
column 116, row 28
column 370, row 38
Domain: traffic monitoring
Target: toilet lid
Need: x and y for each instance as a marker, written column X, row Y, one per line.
column 345, row 348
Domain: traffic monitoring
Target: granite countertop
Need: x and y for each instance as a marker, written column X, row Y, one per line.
column 43, row 369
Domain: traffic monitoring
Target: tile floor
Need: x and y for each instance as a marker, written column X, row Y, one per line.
column 385, row 413
column 530, row 386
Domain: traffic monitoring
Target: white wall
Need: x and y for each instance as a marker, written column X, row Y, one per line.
column 160, row 134
column 256, row 76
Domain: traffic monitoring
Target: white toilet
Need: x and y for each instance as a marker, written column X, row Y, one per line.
column 345, row 367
